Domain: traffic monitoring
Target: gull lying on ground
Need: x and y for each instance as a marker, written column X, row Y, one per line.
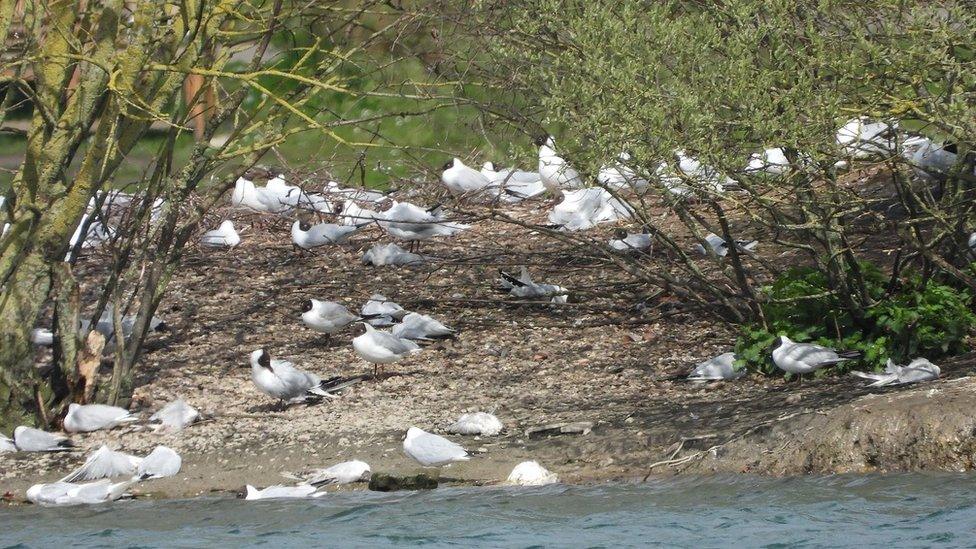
column 555, row 172
column 105, row 326
column 332, row 188
column 719, row 247
column 478, row 423
column 619, row 176
column 347, row 472
column 803, row 358
column 7, row 445
column 262, row 199
column 161, row 462
column 514, row 185
column 380, row 311
column 390, row 254
column 422, row 328
column 716, row 368
column 281, row 380
column 108, row 463
column 279, row 491
column 463, row 180
column 585, row 208
column 67, row 493
column 175, row 416
column 327, row 317
column 523, row 287
column 412, row 223
column 530, row 473
column 919, row 369
column 378, row 347
column 929, row 158
column 770, row 161
column 307, row 236
column 353, row 214
column 96, row 234
column 29, row 439
column 623, row 241
column 224, row 236
column 84, row 418
column 430, row 450
column 859, row 138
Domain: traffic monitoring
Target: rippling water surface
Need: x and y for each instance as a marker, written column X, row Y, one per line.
column 892, row 511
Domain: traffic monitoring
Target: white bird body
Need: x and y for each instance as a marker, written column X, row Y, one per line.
column 282, row 492
column 585, row 208
column 224, row 236
column 421, row 327
column 84, row 418
column 706, row 178
column 380, row 311
column 972, row 242
column 619, row 176
column 929, row 158
column 327, row 317
column 717, row 245
column 281, row 380
column 477, row 423
column 770, row 161
column 175, row 416
column 354, row 214
column 262, row 199
column 67, row 493
column 716, row 368
column 631, row 242
column 530, row 473
column 161, row 462
column 308, row 237
column 803, row 358
column 332, row 188
column 347, row 472
column 514, row 185
column 523, row 287
column 378, row 347
column 105, row 463
column 7, row 445
column 390, row 254
column 409, row 222
column 918, row 370
column 556, row 174
column 463, row 180
column 859, row 138
column 29, row 439
column 430, row 450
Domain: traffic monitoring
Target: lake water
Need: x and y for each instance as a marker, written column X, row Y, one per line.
column 869, row 511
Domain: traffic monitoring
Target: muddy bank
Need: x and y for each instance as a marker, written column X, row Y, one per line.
column 609, row 358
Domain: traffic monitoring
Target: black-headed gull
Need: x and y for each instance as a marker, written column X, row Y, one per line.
column 463, row 180
column 378, row 347
column 420, row 327
column 281, row 380
column 307, row 236
column 477, row 423
column 29, row 439
column 175, row 416
column 513, row 185
column 412, row 223
column 390, row 254
column 716, row 368
column 919, row 369
column 555, row 172
column 619, row 176
column 161, row 462
column 860, row 138
column 585, row 208
column 282, row 492
column 803, row 358
column 430, row 450
column 623, row 241
column 84, row 418
column 262, row 199
column 327, row 317
column 67, row 493
column 347, row 472
column 523, row 287
column 718, row 246
column 380, row 311
column 530, row 473
column 224, row 236
column 105, row 463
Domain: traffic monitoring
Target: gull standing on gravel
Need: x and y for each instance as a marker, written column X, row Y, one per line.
column 281, row 380
column 29, row 439
column 84, row 418
column 555, row 172
column 514, row 185
column 378, row 347
column 803, row 358
column 478, row 423
column 530, row 473
column 67, row 493
column 463, row 180
column 719, row 247
column 623, row 241
column 326, row 317
column 105, row 463
column 919, row 369
column 282, row 492
column 430, row 450
column 307, row 236
column 716, row 368
column 347, row 472
column 224, row 236
column 390, row 254
column 420, row 327
column 175, row 416
column 380, row 311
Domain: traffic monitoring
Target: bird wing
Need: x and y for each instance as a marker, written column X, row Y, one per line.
column 161, row 462
column 35, row 438
column 437, row 449
column 811, row 353
column 104, row 463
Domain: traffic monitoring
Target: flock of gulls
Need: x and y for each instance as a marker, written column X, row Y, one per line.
column 392, row 333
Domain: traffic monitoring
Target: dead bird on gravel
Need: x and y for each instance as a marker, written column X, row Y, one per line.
column 917, row 370
column 717, row 368
column 281, row 380
column 418, row 327
column 85, row 418
column 7, row 445
column 430, row 450
column 380, row 311
column 29, row 439
column 390, row 254
column 523, row 287
column 478, row 423
column 175, row 416
column 107, row 463
column 347, row 472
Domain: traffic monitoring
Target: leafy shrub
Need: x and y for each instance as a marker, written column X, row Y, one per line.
column 917, row 318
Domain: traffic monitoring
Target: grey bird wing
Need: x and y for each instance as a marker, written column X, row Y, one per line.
column 393, row 343
column 813, row 354
column 104, row 463
column 434, row 448
column 161, row 462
